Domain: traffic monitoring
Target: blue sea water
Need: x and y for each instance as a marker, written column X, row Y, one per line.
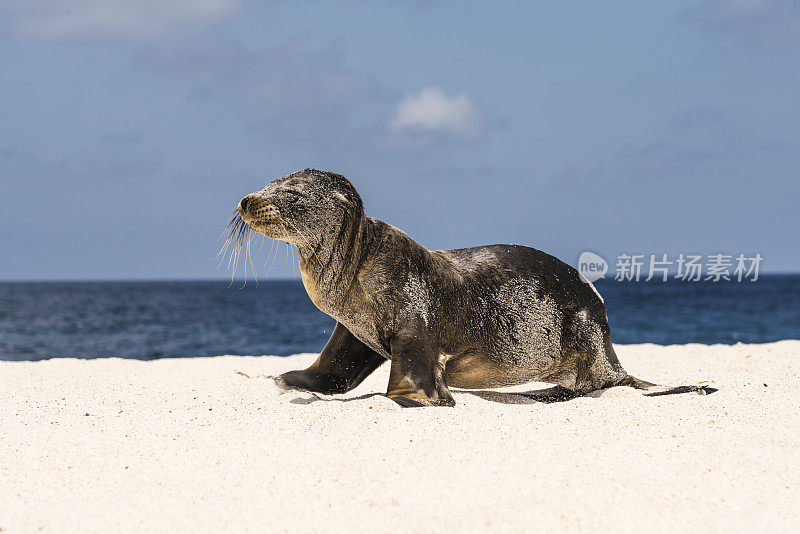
column 149, row 320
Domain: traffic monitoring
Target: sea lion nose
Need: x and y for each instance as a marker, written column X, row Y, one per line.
column 244, row 202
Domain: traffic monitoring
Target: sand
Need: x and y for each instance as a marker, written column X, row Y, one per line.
column 210, row 445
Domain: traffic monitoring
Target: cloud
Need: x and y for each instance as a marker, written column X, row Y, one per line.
column 87, row 19
column 296, row 93
column 432, row 111
column 292, row 76
column 756, row 21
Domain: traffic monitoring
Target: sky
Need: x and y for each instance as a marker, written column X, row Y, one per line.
column 130, row 130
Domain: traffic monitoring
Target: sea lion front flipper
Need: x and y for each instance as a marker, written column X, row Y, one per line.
column 417, row 374
column 342, row 365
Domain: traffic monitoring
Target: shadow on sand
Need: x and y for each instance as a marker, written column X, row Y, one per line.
column 317, row 397
column 547, row 396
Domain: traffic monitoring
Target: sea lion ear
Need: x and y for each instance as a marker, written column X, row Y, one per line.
column 341, row 199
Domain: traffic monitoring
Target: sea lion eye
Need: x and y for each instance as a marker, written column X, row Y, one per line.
column 293, row 192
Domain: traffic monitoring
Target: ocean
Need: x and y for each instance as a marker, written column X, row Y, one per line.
column 149, row 320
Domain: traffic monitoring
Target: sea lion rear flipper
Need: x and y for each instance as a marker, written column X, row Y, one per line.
column 655, row 390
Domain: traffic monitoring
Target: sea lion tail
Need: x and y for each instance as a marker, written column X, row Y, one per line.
column 654, row 390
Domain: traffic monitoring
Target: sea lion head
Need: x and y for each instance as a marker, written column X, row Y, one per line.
column 303, row 208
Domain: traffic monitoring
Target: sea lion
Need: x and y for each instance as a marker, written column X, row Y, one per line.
column 481, row 317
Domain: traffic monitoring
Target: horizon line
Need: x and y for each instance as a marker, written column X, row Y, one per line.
column 253, row 280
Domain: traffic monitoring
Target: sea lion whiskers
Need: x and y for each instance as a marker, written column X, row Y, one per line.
column 305, row 239
column 229, row 230
column 239, row 230
column 237, row 246
column 249, row 259
column 273, row 259
column 234, row 257
column 269, row 254
column 231, row 240
column 239, row 239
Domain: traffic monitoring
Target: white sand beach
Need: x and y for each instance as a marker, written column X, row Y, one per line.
column 210, row 445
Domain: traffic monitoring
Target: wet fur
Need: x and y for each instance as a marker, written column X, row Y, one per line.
column 488, row 316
